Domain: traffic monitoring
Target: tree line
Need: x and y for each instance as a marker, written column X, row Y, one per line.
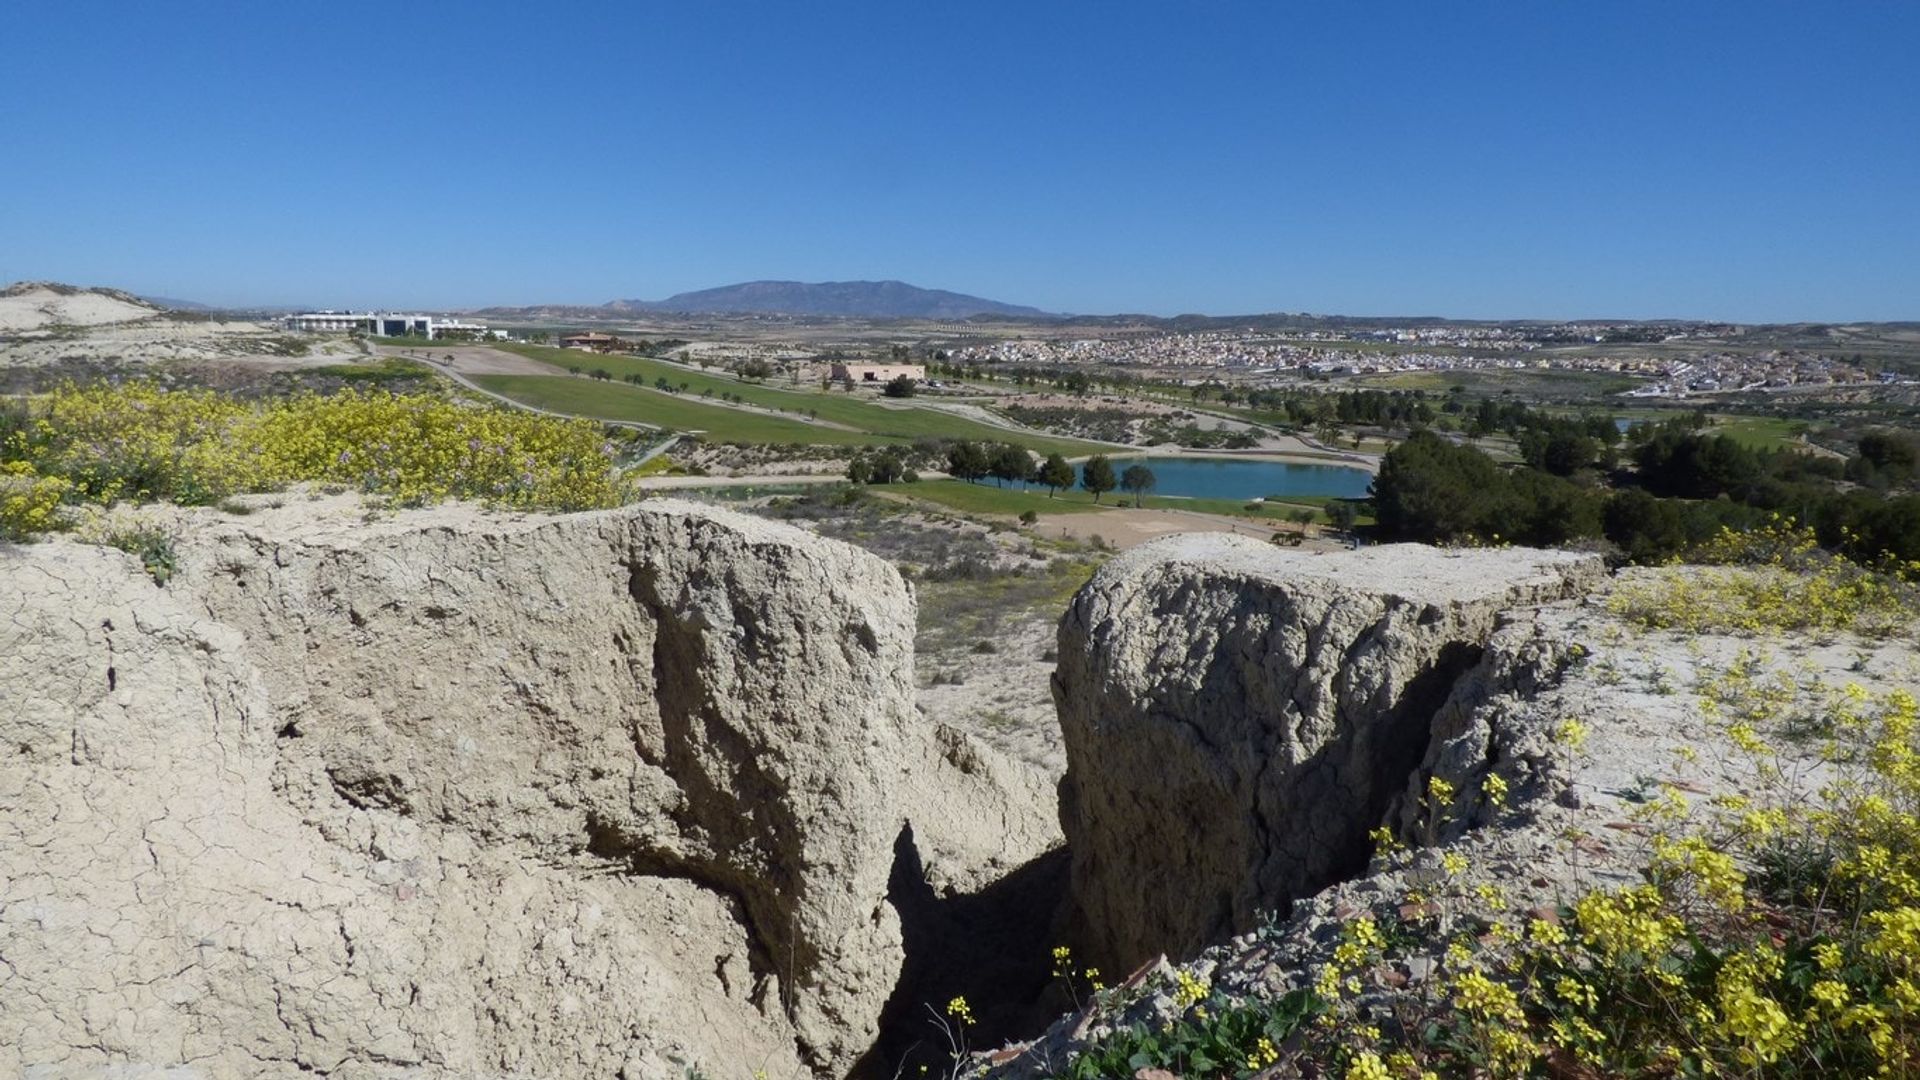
column 1006, row 463
column 1675, row 487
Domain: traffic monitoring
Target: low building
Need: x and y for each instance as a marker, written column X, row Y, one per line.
column 383, row 324
column 593, row 342
column 878, row 373
column 326, row 322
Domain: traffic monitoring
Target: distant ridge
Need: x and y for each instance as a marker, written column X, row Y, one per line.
column 178, row 305
column 848, row 299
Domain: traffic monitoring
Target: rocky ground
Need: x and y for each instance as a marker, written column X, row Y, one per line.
column 449, row 792
column 1597, row 727
column 989, row 596
column 337, row 788
column 43, row 325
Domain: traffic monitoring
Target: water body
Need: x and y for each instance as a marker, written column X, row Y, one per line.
column 1241, row 478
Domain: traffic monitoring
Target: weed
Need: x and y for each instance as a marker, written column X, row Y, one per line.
column 151, row 545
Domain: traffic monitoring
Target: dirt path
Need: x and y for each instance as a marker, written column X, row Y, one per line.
column 669, row 483
column 1126, row 527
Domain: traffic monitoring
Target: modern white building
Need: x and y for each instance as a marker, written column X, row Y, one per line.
column 383, row 324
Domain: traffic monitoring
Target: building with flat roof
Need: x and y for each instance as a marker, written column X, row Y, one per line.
column 592, row 342
column 878, row 373
column 383, row 324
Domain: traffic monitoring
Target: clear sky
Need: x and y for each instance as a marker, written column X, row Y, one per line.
column 1745, row 160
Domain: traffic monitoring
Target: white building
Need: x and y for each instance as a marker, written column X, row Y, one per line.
column 880, row 373
column 382, row 324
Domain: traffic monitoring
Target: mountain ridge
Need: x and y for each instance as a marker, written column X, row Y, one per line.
column 852, row 299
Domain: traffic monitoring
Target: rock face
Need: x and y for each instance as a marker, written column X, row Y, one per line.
column 1237, row 717
column 462, row 793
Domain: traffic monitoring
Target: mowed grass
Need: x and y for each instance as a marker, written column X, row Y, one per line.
column 619, row 401
column 1759, row 432
column 895, row 423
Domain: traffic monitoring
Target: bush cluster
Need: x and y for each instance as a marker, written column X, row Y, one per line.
column 1773, row 578
column 102, row 443
column 1432, row 490
column 1690, row 487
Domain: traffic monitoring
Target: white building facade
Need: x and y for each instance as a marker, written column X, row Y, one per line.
column 382, row 324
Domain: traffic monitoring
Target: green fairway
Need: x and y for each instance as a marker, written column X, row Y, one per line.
column 619, row 401
column 1759, row 432
column 896, row 423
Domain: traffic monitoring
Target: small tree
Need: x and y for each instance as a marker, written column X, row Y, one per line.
column 1097, row 475
column 1056, row 474
column 900, row 386
column 1139, row 480
column 602, row 374
column 967, row 461
column 858, row 470
column 1010, row 462
column 1341, row 515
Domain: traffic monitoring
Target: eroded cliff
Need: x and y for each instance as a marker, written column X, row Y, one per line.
column 1237, row 717
column 472, row 794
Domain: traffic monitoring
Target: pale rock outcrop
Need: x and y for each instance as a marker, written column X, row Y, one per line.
column 464, row 794
column 1573, row 816
column 1238, row 716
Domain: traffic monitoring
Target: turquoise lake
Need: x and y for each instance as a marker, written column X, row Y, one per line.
column 1241, row 478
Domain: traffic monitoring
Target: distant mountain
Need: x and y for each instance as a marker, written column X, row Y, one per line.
column 850, row 299
column 178, row 305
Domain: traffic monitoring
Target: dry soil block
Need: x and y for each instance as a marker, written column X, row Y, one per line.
column 1238, row 716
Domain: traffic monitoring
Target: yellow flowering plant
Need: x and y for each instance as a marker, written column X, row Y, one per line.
column 1762, row 941
column 102, row 443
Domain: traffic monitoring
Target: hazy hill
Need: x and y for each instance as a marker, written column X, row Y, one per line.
column 178, row 305
column 852, row 299
column 36, row 306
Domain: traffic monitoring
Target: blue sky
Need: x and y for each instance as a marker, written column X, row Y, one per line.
column 1753, row 161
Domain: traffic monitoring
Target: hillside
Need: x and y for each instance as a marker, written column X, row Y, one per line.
column 60, row 331
column 851, row 299
column 29, row 306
